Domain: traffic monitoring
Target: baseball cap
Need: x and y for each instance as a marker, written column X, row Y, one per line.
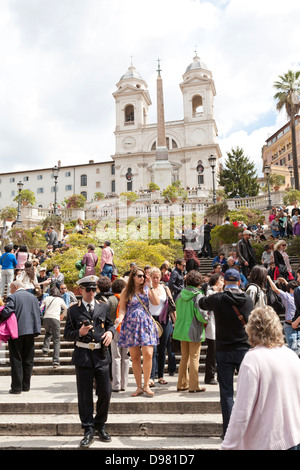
column 232, row 275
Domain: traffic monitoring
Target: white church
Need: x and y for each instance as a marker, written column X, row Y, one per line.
column 160, row 152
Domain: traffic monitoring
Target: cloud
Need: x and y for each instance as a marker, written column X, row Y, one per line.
column 62, row 60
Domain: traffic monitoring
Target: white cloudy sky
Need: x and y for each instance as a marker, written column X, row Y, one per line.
column 61, row 59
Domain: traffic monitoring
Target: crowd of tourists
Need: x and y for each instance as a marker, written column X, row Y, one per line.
column 246, row 310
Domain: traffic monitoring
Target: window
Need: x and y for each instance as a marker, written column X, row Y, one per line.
column 26, row 178
column 129, row 185
column 197, row 105
column 53, row 189
column 113, row 186
column 129, row 114
column 68, row 187
column 40, row 190
column 83, row 180
column 98, row 184
column 170, row 144
column 113, row 169
column 98, row 170
column 84, row 193
column 11, row 180
column 67, row 173
column 39, row 177
column 12, row 193
column 200, row 179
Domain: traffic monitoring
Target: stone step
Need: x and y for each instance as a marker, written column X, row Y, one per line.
column 152, row 447
column 189, row 425
column 46, row 417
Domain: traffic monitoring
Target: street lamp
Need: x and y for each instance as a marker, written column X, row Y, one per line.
column 267, row 171
column 55, row 171
column 20, row 186
column 212, row 161
column 290, row 168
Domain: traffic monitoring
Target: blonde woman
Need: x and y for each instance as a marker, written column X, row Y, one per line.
column 282, row 262
column 160, row 314
column 138, row 332
column 264, row 415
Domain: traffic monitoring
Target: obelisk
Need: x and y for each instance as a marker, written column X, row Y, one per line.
column 162, row 168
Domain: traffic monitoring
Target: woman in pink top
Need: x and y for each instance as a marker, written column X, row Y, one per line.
column 265, row 415
column 22, row 256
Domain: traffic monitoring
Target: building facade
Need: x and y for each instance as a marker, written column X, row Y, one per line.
column 277, row 152
column 189, row 142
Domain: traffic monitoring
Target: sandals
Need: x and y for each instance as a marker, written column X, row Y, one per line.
column 162, row 381
column 202, row 389
column 139, row 391
column 148, row 392
column 151, row 383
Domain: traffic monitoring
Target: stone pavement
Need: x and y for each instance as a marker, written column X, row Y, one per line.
column 46, row 417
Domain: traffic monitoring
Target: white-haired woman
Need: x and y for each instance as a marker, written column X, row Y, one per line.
column 282, row 262
column 264, row 415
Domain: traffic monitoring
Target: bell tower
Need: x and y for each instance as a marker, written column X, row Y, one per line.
column 132, row 105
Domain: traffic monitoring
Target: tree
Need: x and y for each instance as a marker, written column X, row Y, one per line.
column 239, row 177
column 288, row 97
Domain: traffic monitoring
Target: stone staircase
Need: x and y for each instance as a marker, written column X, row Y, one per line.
column 46, row 417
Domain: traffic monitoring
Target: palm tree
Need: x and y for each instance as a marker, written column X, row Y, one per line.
column 288, row 97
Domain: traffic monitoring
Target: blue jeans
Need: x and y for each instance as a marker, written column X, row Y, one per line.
column 292, row 337
column 107, row 270
column 227, row 363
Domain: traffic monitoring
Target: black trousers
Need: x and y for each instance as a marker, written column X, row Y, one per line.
column 21, row 354
column 84, row 379
column 210, row 363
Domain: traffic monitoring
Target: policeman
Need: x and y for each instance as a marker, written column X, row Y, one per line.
column 89, row 325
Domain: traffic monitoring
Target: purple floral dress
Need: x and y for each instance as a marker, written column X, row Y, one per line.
column 138, row 328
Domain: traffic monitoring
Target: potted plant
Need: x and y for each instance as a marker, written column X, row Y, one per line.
column 27, row 197
column 8, row 213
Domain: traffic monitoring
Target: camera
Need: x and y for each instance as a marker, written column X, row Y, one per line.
column 86, row 323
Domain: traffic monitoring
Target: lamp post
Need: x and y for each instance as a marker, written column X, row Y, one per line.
column 267, row 171
column 55, row 171
column 20, row 186
column 212, row 161
column 290, row 168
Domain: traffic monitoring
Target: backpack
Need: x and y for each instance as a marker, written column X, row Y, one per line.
column 257, row 291
column 275, row 301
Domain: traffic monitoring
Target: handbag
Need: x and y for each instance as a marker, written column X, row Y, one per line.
column 156, row 323
column 81, row 268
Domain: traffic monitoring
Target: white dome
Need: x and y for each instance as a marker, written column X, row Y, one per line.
column 196, row 64
column 131, row 73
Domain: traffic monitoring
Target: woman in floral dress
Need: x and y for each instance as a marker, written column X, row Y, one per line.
column 138, row 332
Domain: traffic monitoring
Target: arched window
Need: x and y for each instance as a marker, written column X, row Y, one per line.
column 197, row 104
column 83, row 180
column 170, row 143
column 84, row 194
column 129, row 114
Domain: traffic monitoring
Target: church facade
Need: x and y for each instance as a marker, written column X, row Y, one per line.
column 190, row 141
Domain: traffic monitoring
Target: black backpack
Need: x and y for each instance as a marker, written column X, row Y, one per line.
column 275, row 301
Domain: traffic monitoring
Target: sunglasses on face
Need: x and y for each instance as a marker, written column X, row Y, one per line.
column 140, row 275
column 90, row 289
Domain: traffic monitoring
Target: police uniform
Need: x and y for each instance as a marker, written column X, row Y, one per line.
column 91, row 358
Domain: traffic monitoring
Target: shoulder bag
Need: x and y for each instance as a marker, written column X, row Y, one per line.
column 156, row 323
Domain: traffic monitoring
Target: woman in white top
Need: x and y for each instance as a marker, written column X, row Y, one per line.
column 54, row 311
column 264, row 415
column 28, row 277
column 257, row 286
column 160, row 314
column 215, row 284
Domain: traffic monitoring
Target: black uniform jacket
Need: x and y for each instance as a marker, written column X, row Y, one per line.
column 101, row 322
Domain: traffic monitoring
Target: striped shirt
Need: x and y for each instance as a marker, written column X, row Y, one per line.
column 289, row 303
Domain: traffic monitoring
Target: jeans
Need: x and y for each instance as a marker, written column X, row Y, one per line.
column 52, row 328
column 292, row 337
column 107, row 270
column 159, row 352
column 227, row 363
column 7, row 276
